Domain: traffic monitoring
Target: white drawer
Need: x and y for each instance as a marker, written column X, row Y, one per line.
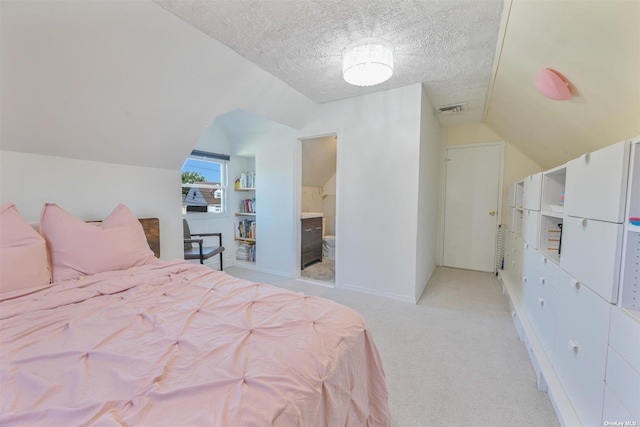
column 544, row 316
column 624, row 382
column 624, row 337
column 547, row 269
column 581, row 377
column 613, row 410
column 591, row 252
column 532, row 191
column 596, row 184
column 530, row 227
column 585, row 315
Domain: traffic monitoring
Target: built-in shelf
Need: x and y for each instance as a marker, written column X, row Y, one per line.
column 242, row 239
column 550, row 237
column 552, row 214
column 244, row 189
column 245, row 214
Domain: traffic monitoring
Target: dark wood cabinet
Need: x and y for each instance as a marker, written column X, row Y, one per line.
column 311, row 241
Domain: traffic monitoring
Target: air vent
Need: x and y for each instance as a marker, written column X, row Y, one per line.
column 446, row 110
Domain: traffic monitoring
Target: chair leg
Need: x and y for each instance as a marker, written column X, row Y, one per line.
column 221, row 262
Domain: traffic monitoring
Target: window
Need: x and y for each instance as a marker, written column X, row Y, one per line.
column 204, row 183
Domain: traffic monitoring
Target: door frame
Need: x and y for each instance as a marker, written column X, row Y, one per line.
column 443, row 189
column 298, row 208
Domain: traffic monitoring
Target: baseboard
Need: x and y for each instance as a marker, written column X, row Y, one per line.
column 379, row 294
column 251, row 266
column 559, row 399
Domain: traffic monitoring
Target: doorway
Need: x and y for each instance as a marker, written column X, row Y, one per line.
column 318, row 235
column 473, row 182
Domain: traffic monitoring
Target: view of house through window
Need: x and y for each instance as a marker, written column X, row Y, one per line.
column 204, row 183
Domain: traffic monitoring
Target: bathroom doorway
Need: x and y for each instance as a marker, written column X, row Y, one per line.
column 318, row 233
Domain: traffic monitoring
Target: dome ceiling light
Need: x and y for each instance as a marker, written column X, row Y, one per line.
column 368, row 62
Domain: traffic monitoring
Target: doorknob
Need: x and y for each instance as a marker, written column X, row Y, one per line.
column 492, row 213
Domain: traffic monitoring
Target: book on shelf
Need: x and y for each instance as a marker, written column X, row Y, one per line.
column 246, row 180
column 247, row 229
column 248, row 206
column 246, row 251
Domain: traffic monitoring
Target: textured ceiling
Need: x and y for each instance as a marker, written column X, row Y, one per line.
column 448, row 45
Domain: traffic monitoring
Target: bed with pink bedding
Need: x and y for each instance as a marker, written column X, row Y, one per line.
column 178, row 344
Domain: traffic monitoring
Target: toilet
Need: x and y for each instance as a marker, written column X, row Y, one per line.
column 328, row 242
column 329, row 246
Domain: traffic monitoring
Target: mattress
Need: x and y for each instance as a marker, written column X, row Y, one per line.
column 174, row 343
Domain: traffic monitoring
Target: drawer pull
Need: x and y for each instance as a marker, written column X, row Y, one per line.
column 584, row 222
column 307, row 230
column 541, row 301
column 544, row 260
column 573, row 346
column 576, row 284
column 542, row 280
column 587, row 158
column 524, row 279
column 318, row 228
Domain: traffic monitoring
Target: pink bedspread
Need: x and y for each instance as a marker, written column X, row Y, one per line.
column 177, row 344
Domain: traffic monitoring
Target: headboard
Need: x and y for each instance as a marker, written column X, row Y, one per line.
column 151, row 228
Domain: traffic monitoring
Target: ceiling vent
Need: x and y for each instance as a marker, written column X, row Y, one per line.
column 446, row 110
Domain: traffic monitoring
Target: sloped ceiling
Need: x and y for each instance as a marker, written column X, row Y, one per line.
column 596, row 45
column 318, row 161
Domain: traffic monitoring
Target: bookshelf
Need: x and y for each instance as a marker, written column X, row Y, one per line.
column 245, row 224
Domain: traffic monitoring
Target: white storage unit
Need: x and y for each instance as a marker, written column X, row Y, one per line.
column 622, row 391
column 532, row 192
column 630, row 282
column 592, row 253
column 583, row 346
column 553, row 190
column 530, row 227
column 511, row 195
column 596, row 185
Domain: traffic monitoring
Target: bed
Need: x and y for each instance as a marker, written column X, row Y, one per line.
column 174, row 343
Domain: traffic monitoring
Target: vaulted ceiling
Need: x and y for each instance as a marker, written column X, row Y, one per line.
column 447, row 45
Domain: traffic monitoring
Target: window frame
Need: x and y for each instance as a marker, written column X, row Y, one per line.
column 223, row 161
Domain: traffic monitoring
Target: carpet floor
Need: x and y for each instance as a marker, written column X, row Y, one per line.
column 452, row 359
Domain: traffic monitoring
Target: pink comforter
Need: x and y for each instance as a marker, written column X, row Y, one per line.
column 177, row 344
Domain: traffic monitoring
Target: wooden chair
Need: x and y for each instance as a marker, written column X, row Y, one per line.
column 201, row 252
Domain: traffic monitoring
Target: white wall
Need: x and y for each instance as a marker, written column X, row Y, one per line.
column 91, row 190
column 378, row 160
column 428, row 195
column 311, row 199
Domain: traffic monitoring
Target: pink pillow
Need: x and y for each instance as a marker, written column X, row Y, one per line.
column 77, row 248
column 23, row 253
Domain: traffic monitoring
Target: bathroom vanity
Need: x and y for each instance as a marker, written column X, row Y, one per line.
column 311, row 232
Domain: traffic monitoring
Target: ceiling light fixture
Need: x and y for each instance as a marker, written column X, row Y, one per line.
column 553, row 85
column 368, row 62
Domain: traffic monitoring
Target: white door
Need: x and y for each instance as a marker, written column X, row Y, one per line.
column 472, row 194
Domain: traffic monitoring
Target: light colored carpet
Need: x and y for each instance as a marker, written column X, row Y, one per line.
column 452, row 359
column 324, row 271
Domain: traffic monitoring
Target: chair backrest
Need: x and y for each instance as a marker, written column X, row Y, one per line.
column 186, row 233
